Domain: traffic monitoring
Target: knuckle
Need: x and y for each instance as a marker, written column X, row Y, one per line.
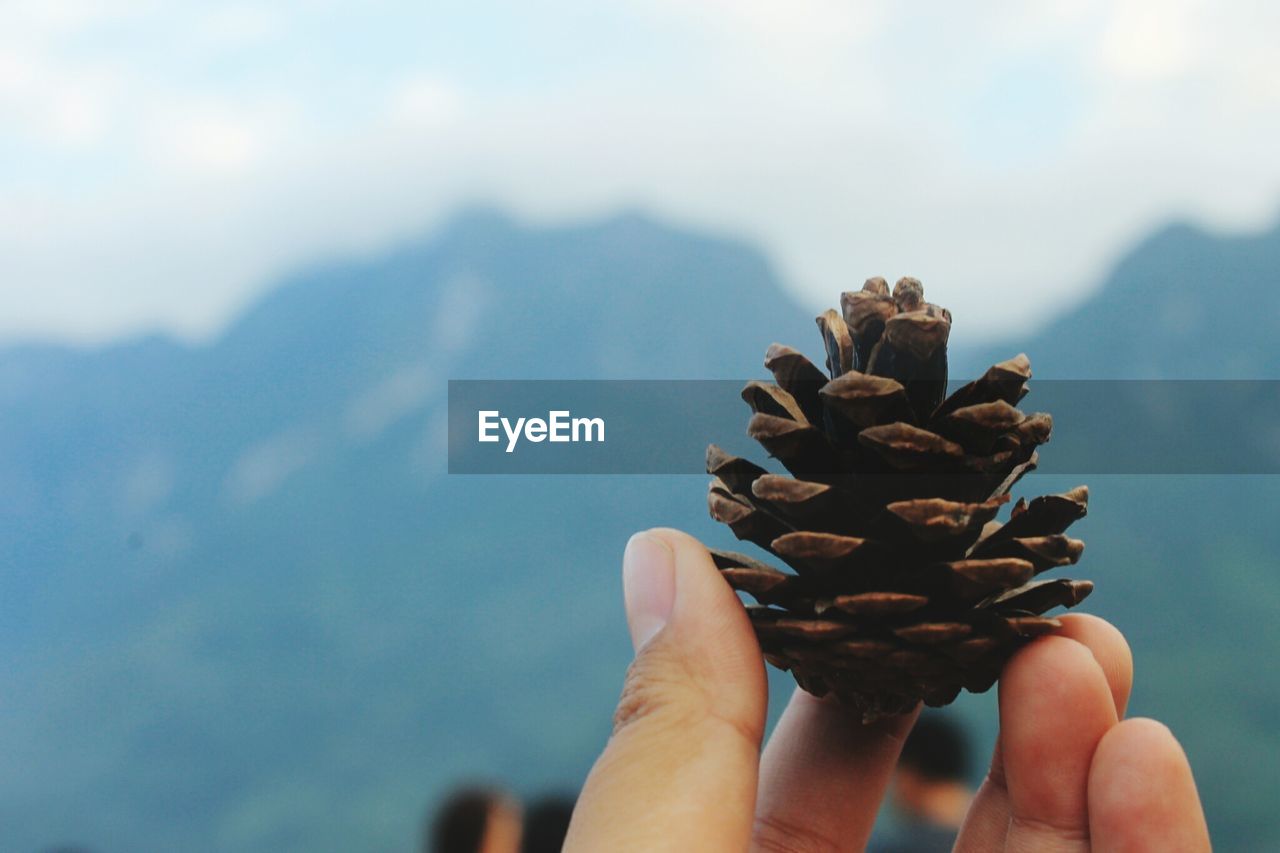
column 776, row 834
column 650, row 687
column 664, row 690
column 996, row 777
column 1048, row 829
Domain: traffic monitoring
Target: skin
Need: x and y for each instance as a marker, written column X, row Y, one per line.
column 502, row 833
column 683, row 769
column 939, row 802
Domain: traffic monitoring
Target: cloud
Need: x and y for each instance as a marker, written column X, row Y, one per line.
column 806, row 34
column 55, row 105
column 147, row 486
column 30, row 19
column 424, row 101
column 452, row 325
column 1004, row 153
column 1148, row 40
column 241, row 24
column 210, row 139
column 167, row 537
column 395, row 397
column 265, row 466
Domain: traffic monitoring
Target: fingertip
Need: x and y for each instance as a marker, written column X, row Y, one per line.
column 1128, row 752
column 1109, row 648
column 1051, row 669
column 1140, row 735
column 675, row 537
column 707, row 635
column 824, row 774
column 696, row 571
column 704, row 600
column 830, row 713
column 987, row 824
column 1055, row 705
column 1142, row 794
column 648, row 586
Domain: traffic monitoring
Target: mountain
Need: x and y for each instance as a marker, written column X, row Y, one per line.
column 1182, row 304
column 1186, row 565
column 245, row 608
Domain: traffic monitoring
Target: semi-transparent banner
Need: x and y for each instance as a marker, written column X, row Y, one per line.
column 664, row 427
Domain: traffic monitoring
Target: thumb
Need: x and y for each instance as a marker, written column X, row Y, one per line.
column 679, row 772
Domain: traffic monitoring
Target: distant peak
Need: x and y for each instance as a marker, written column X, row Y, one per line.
column 632, row 217
column 482, row 222
column 478, row 217
column 1178, row 231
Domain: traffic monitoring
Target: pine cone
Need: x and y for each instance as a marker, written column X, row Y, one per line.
column 905, row 587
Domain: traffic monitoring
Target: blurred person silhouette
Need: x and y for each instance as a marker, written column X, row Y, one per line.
column 930, row 790
column 546, row 823
column 475, row 819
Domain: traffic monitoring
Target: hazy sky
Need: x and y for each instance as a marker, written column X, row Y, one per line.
column 161, row 162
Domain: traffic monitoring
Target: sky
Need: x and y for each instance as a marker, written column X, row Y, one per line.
column 163, row 162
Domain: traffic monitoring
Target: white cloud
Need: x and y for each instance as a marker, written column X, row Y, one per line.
column 424, row 101
column 452, row 323
column 16, row 73
column 265, row 466
column 459, row 312
column 429, row 456
column 51, row 104
column 849, row 139
column 215, row 140
column 167, row 537
column 35, row 18
column 147, row 485
column 238, row 24
column 75, row 119
column 395, row 397
column 1151, row 39
column 806, row 35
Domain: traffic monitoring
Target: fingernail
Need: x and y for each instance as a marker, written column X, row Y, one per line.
column 648, row 586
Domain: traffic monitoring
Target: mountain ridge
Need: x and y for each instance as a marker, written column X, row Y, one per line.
column 246, row 609
column 1181, row 285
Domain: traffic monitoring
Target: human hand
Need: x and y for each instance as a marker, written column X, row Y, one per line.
column 683, row 769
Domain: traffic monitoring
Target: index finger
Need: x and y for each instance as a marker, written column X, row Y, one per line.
column 823, row 775
column 1055, row 706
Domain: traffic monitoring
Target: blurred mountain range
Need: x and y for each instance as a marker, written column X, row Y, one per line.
column 1183, row 304
column 245, row 608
